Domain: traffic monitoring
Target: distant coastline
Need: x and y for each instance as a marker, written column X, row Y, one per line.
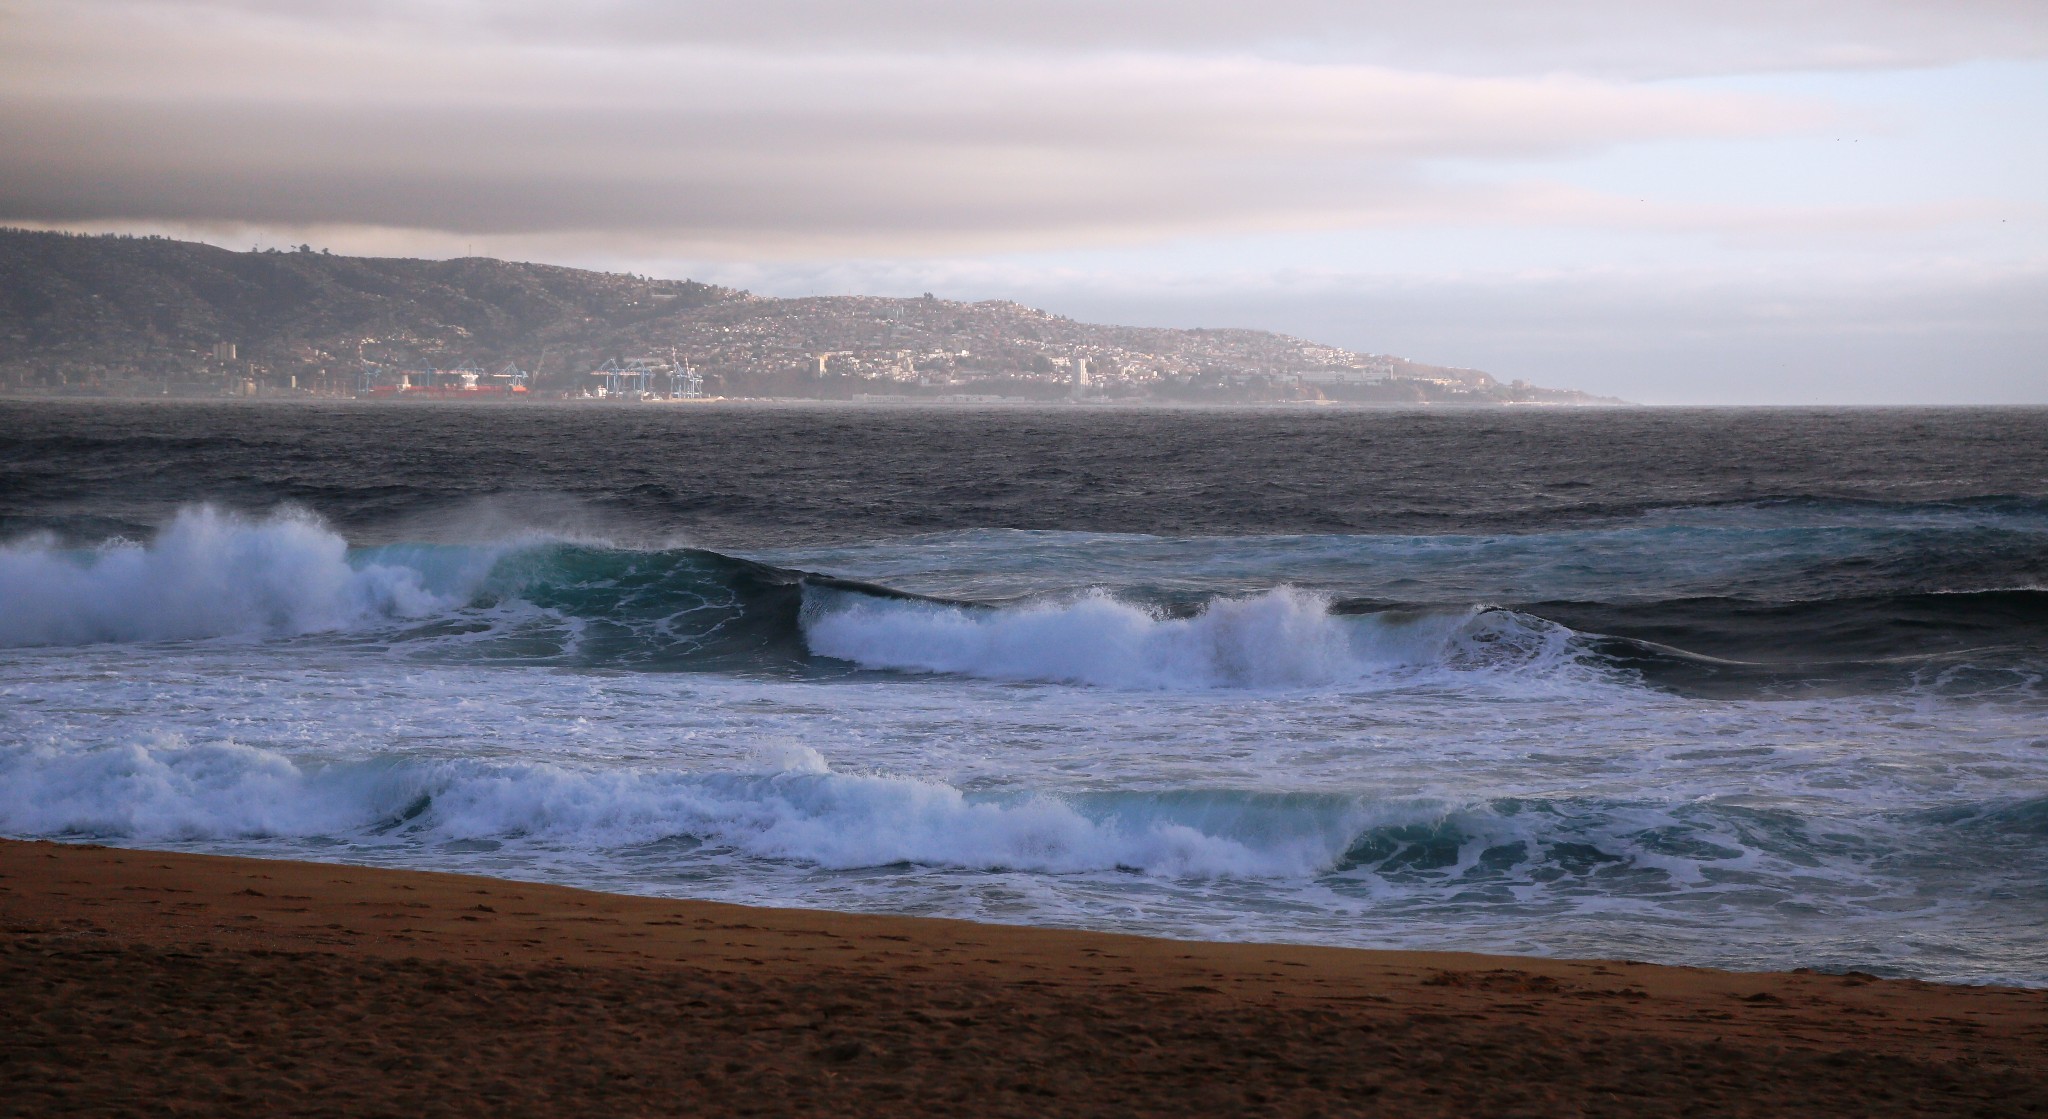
column 121, row 317
column 877, row 403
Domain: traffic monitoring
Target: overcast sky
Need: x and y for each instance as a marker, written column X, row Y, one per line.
column 1797, row 201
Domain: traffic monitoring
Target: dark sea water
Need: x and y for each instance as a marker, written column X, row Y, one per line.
column 1742, row 688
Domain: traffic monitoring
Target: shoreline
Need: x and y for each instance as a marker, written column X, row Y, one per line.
column 226, row 985
column 1019, row 404
column 1049, row 404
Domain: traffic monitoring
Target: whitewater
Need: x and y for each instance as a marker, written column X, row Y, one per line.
column 1766, row 733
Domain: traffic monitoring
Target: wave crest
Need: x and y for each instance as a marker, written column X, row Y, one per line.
column 1284, row 638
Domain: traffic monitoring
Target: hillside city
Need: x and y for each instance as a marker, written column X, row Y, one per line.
column 108, row 316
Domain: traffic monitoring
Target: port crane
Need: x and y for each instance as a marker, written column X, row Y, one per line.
column 636, row 378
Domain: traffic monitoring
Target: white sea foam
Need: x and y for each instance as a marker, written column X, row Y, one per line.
column 798, row 809
column 1691, row 858
column 791, row 806
column 1284, row 638
column 207, row 574
column 170, row 790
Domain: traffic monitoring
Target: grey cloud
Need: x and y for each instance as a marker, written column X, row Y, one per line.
column 471, row 172
column 265, row 122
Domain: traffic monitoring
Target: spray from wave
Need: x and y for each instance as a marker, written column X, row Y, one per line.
column 207, row 574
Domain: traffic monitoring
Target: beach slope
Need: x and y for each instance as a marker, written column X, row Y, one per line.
column 136, row 982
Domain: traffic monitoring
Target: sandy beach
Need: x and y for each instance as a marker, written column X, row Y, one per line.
column 137, row 982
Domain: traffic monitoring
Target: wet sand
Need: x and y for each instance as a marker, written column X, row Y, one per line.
column 141, row 983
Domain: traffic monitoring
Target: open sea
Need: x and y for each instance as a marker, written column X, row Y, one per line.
column 1749, row 689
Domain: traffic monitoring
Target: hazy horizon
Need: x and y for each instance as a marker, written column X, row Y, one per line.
column 1834, row 204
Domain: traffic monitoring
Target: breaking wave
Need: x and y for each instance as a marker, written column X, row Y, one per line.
column 792, row 806
column 210, row 575
column 1282, row 638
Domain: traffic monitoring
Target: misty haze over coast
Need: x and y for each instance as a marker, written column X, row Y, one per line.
column 1833, row 203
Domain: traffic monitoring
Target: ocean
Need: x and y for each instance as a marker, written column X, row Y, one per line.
column 1754, row 689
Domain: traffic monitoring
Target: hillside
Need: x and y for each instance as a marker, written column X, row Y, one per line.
column 112, row 315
